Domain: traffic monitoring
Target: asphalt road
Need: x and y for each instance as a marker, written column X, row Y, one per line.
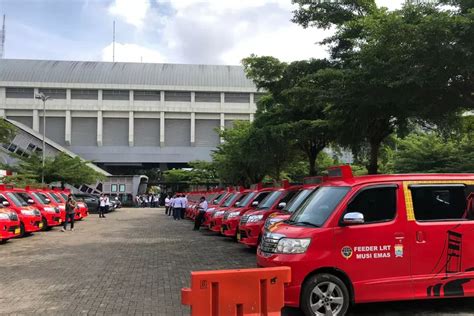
column 135, row 262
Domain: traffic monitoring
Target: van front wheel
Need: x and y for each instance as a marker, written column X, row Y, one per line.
column 324, row 294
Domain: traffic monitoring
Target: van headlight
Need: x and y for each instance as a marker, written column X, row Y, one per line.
column 216, row 214
column 254, row 218
column 28, row 212
column 233, row 214
column 291, row 245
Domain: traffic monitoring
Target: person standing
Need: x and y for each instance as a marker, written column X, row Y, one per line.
column 202, row 207
column 71, row 205
column 167, row 204
column 177, row 208
column 184, row 203
column 101, row 205
column 107, row 205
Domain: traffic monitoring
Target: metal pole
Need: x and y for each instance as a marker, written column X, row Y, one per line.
column 44, row 133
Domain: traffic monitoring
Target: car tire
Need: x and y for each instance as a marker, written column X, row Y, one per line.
column 45, row 225
column 323, row 292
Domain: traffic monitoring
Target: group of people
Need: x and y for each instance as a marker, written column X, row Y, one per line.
column 176, row 206
column 147, row 200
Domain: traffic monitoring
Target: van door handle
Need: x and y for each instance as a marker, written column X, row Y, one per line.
column 420, row 238
column 399, row 236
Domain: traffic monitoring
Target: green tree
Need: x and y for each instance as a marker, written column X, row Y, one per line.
column 7, row 131
column 292, row 105
column 60, row 168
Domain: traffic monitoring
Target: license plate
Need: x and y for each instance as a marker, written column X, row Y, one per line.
column 17, row 231
column 40, row 225
column 238, row 236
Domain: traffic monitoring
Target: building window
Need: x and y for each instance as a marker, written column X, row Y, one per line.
column 31, row 147
column 12, row 148
column 84, row 94
column 236, row 97
column 207, row 97
column 20, row 93
column 122, row 188
column 144, row 95
column 115, row 94
column 180, row 96
column 113, row 188
column 54, row 93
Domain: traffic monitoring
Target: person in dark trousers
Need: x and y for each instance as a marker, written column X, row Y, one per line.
column 177, row 207
column 101, row 206
column 202, row 210
column 71, row 206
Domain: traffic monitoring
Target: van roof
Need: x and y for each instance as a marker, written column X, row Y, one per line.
column 358, row 180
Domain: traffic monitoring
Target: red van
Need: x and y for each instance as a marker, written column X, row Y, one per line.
column 214, row 204
column 250, row 226
column 51, row 214
column 231, row 201
column 9, row 224
column 30, row 217
column 233, row 215
column 376, row 238
column 310, row 184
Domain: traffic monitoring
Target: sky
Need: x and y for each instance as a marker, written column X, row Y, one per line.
column 161, row 31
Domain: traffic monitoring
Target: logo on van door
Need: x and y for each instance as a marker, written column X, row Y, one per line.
column 346, row 252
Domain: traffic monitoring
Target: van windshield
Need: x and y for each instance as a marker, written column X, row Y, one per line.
column 298, row 200
column 230, row 199
column 41, row 197
column 247, row 199
column 18, row 201
column 319, row 206
column 55, row 197
column 269, row 200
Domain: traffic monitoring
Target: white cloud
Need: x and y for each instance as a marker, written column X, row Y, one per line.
column 133, row 12
column 125, row 52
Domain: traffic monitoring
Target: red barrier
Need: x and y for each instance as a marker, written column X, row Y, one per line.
column 249, row 292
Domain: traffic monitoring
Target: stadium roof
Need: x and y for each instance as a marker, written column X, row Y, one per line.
column 118, row 73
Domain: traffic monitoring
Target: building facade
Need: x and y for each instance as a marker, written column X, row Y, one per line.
column 128, row 114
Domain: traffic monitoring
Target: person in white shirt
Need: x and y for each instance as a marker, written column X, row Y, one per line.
column 172, row 206
column 167, row 205
column 184, row 203
column 107, row 205
column 202, row 210
column 101, row 206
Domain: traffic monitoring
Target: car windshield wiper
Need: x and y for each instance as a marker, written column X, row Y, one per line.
column 304, row 224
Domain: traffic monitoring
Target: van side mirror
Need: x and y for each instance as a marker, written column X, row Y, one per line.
column 6, row 203
column 30, row 201
column 215, row 202
column 281, row 206
column 237, row 204
column 47, row 200
column 255, row 203
column 354, row 218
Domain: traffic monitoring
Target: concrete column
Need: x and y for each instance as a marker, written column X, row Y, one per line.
column 36, row 101
column 99, row 126
column 3, row 101
column 99, row 99
column 130, row 128
column 193, row 128
column 222, row 100
column 162, row 127
column 251, row 104
column 193, row 99
column 68, row 97
column 131, row 100
column 36, row 121
column 67, row 132
column 251, row 117
column 222, row 125
column 162, row 100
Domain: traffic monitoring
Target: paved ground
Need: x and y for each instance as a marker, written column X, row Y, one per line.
column 134, row 262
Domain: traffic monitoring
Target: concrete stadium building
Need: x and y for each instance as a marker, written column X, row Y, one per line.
column 128, row 115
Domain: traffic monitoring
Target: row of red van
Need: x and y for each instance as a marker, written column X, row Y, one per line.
column 28, row 210
column 354, row 239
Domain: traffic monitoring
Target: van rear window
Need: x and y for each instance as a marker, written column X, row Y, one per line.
column 442, row 202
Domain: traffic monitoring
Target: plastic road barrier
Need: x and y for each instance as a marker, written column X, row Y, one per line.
column 249, row 292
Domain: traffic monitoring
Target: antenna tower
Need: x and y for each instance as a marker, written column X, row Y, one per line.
column 2, row 38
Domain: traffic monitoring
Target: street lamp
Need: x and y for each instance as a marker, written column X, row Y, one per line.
column 43, row 98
